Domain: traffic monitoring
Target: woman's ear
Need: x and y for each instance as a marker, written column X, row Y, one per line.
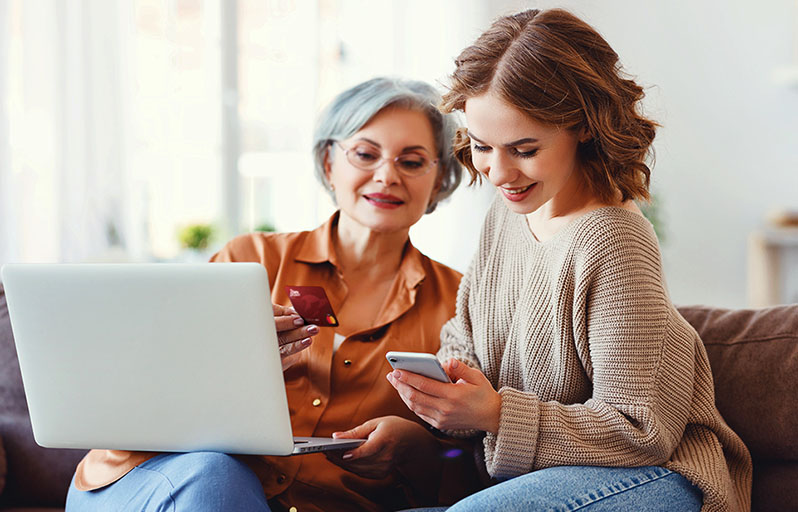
column 436, row 188
column 328, row 167
column 584, row 135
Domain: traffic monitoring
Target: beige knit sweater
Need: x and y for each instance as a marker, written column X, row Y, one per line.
column 593, row 363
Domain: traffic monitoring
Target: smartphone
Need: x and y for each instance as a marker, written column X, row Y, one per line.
column 418, row 362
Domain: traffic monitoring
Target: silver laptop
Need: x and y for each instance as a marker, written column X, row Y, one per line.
column 152, row 357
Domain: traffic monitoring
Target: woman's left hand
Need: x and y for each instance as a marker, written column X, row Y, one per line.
column 391, row 441
column 469, row 403
column 293, row 336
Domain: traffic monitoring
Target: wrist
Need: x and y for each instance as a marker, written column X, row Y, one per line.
column 493, row 414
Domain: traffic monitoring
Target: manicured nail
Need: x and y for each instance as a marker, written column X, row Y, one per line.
column 347, row 456
column 397, row 374
column 298, row 321
column 306, row 342
column 313, row 329
column 454, row 363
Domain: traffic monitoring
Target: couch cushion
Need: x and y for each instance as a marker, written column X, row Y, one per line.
column 754, row 358
column 36, row 476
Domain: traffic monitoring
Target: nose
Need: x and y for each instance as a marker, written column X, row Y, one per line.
column 499, row 169
column 386, row 173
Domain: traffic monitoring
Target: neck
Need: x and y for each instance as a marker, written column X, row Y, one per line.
column 363, row 250
column 573, row 200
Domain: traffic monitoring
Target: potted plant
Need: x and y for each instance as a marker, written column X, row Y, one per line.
column 196, row 239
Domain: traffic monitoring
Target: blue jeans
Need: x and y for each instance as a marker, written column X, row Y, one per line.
column 177, row 482
column 588, row 488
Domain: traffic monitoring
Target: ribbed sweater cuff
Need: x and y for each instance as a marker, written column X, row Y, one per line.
column 512, row 451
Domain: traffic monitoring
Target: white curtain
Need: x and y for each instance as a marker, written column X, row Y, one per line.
column 7, row 237
column 110, row 115
column 62, row 142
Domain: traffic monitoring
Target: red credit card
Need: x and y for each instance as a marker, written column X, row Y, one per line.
column 312, row 304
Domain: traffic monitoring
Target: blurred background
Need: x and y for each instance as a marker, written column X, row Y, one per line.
column 156, row 130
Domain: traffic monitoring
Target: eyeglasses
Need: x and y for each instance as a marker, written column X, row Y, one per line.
column 368, row 157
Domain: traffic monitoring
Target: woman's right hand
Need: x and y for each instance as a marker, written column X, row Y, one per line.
column 293, row 335
column 469, row 403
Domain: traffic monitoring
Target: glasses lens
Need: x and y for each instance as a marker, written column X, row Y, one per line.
column 413, row 164
column 364, row 156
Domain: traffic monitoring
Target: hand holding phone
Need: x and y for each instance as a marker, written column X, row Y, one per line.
column 420, row 363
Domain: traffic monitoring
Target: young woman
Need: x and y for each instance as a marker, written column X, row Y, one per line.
column 383, row 150
column 589, row 388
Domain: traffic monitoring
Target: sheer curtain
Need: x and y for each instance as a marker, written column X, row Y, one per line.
column 112, row 132
column 112, row 111
column 62, row 139
column 7, row 247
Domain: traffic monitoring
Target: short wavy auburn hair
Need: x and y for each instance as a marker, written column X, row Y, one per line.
column 560, row 71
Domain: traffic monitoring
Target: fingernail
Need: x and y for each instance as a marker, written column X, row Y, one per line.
column 389, row 376
column 298, row 321
column 292, row 310
column 347, row 456
column 454, row 364
column 313, row 329
column 397, row 374
column 306, row 342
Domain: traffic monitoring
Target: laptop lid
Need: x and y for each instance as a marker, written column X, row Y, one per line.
column 153, row 357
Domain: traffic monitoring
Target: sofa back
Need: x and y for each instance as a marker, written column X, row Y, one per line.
column 754, row 358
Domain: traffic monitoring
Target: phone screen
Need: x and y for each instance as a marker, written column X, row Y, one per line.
column 420, row 363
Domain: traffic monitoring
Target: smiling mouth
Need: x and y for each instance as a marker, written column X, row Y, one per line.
column 519, row 190
column 383, row 200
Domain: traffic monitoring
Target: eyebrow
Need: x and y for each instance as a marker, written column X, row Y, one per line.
column 405, row 149
column 519, row 142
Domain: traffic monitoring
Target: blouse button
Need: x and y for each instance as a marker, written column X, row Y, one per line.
column 316, row 402
column 292, row 509
column 347, row 362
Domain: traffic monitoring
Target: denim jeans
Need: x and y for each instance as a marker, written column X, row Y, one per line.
column 589, row 489
column 178, row 482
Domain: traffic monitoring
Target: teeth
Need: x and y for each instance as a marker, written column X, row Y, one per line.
column 383, row 200
column 514, row 191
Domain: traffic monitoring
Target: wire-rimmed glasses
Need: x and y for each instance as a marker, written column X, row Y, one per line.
column 368, row 157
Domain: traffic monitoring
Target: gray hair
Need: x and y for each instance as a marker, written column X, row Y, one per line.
column 355, row 107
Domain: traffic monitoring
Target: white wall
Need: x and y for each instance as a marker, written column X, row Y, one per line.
column 728, row 149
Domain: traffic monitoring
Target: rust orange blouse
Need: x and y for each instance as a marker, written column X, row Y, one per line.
column 330, row 390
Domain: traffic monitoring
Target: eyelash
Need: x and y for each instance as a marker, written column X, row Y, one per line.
column 513, row 151
column 525, row 154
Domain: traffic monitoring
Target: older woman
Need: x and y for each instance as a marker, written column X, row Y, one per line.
column 383, row 151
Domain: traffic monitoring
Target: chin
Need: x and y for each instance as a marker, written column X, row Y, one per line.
column 384, row 225
column 521, row 208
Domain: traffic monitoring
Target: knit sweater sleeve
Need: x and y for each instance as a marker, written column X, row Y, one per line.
column 642, row 374
column 457, row 335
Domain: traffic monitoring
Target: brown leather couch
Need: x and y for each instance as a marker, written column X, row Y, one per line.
column 754, row 357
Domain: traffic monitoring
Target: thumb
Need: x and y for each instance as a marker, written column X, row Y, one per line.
column 458, row 371
column 359, row 432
